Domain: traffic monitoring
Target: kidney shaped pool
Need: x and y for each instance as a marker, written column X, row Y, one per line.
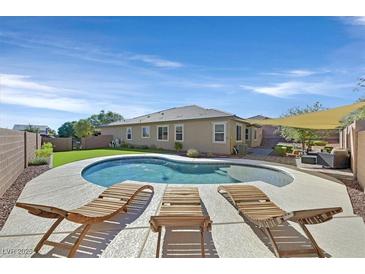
column 161, row 170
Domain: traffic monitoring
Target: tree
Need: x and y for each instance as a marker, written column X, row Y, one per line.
column 83, row 128
column 67, row 129
column 358, row 114
column 51, row 132
column 104, row 118
column 302, row 135
column 352, row 117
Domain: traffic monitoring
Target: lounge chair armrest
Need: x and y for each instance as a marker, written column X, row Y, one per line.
column 314, row 216
column 43, row 211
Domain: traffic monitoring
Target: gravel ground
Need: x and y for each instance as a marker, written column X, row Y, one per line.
column 357, row 197
column 9, row 198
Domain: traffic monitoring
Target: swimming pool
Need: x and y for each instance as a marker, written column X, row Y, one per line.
column 161, row 170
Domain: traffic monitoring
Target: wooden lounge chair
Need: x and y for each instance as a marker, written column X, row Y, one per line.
column 253, row 204
column 181, row 207
column 111, row 202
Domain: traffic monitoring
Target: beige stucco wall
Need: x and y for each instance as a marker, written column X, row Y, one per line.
column 256, row 142
column 232, row 130
column 198, row 134
column 350, row 141
column 361, row 158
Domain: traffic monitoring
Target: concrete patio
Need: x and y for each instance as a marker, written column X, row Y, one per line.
column 129, row 235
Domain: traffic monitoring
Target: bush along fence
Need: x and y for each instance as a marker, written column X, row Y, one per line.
column 17, row 149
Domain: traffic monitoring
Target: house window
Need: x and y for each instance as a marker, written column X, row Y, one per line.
column 162, row 133
column 179, row 133
column 129, row 133
column 219, row 134
column 254, row 134
column 146, row 132
column 238, row 133
column 247, row 134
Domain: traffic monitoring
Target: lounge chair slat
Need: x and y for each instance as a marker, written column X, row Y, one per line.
column 181, row 207
column 256, row 206
column 115, row 200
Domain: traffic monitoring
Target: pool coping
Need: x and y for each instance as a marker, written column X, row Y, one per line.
column 186, row 160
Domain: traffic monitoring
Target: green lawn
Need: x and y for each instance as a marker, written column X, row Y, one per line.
column 65, row 157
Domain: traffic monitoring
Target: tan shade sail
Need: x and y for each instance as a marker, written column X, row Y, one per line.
column 326, row 119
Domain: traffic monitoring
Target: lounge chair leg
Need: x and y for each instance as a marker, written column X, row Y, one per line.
column 273, row 243
column 158, row 243
column 313, row 242
column 48, row 233
column 202, row 242
column 78, row 241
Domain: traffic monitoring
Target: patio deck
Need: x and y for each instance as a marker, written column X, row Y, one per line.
column 129, row 235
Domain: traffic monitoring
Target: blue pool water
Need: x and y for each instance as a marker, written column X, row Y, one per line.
column 159, row 170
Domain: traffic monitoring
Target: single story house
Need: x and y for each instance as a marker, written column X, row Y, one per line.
column 207, row 130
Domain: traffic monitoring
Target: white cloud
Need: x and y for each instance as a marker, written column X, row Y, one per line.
column 42, row 100
column 155, row 61
column 23, row 91
column 295, row 73
column 287, row 89
column 21, row 81
column 86, row 52
column 301, row 72
column 355, row 20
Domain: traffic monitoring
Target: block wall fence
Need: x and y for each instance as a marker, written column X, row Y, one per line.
column 17, row 148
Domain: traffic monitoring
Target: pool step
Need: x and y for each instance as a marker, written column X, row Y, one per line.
column 222, row 171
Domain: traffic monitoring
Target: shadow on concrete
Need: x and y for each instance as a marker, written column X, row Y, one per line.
column 100, row 235
column 286, row 236
column 185, row 243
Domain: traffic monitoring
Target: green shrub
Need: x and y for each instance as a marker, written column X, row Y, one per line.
column 153, row 147
column 328, row 149
column 45, row 151
column 319, row 143
column 178, row 146
column 280, row 150
column 289, row 149
column 192, row 152
column 38, row 161
column 131, row 146
column 144, row 147
column 47, row 146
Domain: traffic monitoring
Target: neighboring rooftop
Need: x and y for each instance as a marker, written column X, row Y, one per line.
column 41, row 128
column 259, row 117
column 175, row 114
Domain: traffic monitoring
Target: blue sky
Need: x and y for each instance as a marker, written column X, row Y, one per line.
column 54, row 70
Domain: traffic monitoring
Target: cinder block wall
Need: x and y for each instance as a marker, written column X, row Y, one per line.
column 11, row 157
column 59, row 144
column 101, row 141
column 16, row 149
column 31, row 145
